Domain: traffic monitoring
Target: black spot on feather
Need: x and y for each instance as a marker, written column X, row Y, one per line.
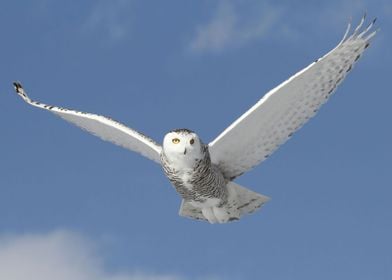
column 182, row 130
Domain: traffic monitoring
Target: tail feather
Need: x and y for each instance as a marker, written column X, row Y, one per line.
column 241, row 201
column 247, row 201
column 190, row 211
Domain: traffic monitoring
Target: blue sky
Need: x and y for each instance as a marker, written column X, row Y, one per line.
column 75, row 207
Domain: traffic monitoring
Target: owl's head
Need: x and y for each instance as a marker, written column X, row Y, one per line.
column 183, row 145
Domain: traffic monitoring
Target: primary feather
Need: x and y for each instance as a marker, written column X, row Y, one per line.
column 254, row 136
column 103, row 127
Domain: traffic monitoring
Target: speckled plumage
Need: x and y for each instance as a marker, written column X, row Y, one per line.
column 203, row 174
column 286, row 108
column 204, row 180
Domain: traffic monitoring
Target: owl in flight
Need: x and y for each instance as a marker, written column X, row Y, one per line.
column 202, row 173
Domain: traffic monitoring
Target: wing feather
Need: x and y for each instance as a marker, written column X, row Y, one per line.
column 282, row 111
column 103, row 127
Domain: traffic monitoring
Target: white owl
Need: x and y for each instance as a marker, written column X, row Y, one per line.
column 203, row 174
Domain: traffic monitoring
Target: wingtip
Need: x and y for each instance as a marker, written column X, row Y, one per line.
column 20, row 91
column 347, row 31
column 17, row 86
column 359, row 32
column 364, row 32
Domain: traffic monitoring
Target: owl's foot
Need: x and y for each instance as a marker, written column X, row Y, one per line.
column 226, row 214
column 208, row 213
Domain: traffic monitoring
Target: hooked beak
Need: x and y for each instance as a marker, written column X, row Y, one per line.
column 185, row 151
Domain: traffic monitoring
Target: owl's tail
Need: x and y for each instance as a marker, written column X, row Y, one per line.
column 244, row 200
column 241, row 201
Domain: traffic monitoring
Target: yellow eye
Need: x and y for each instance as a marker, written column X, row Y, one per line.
column 175, row 140
column 192, row 141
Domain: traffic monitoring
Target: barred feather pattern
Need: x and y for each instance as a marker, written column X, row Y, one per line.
column 205, row 179
column 286, row 108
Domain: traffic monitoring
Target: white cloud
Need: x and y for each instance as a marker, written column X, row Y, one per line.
column 232, row 27
column 112, row 18
column 60, row 255
column 236, row 24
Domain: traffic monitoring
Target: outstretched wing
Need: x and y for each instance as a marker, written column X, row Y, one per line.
column 103, row 127
column 283, row 110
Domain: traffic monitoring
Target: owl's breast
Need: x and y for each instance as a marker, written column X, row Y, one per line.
column 198, row 183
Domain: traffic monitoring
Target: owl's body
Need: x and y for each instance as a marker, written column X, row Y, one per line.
column 200, row 184
column 203, row 174
column 200, row 181
column 205, row 191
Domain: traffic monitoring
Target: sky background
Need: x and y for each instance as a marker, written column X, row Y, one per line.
column 75, row 207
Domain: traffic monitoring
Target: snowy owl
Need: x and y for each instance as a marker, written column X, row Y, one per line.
column 202, row 173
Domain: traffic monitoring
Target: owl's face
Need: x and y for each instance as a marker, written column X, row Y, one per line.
column 182, row 145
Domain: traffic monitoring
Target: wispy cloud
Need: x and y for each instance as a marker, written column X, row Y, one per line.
column 232, row 25
column 60, row 255
column 237, row 24
column 109, row 18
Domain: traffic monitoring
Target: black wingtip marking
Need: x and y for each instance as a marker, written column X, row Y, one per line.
column 17, row 86
column 19, row 89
